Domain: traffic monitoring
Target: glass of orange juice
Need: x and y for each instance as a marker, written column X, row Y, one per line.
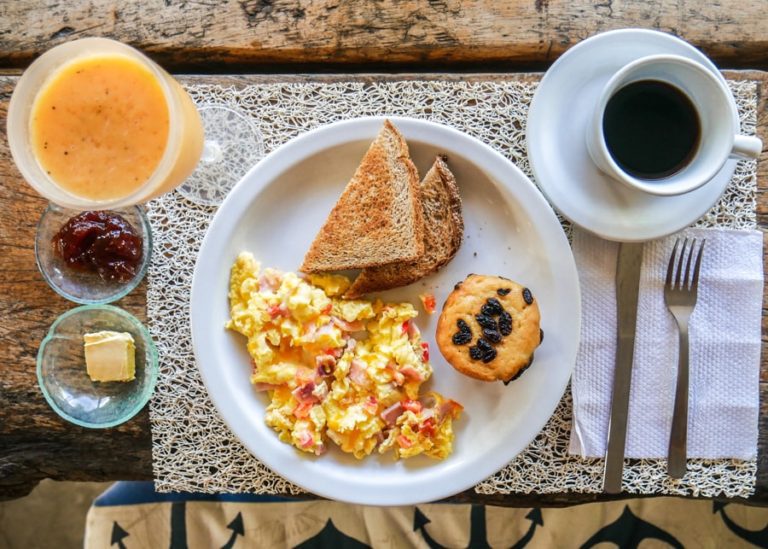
column 95, row 124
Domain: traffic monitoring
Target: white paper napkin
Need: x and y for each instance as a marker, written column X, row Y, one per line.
column 725, row 335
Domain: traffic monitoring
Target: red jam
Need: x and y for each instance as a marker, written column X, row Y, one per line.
column 101, row 242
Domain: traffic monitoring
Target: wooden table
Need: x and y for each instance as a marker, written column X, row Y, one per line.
column 278, row 36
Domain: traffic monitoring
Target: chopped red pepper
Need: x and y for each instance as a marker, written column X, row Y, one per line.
column 406, row 326
column 412, row 406
column 302, row 410
column 427, row 428
column 424, row 351
column 277, row 310
column 403, row 441
column 428, row 301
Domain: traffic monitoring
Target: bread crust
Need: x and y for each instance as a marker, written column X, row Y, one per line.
column 378, row 218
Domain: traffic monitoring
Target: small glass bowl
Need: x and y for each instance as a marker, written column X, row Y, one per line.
column 86, row 287
column 63, row 378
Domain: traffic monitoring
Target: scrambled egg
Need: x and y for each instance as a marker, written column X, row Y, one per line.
column 348, row 371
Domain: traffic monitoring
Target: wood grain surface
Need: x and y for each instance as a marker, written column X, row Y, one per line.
column 35, row 443
column 270, row 35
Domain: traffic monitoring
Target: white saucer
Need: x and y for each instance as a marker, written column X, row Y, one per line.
column 558, row 153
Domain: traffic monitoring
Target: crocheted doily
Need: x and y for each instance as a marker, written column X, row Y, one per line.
column 194, row 451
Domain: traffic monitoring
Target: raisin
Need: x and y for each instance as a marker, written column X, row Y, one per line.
column 527, row 296
column 485, row 321
column 483, row 345
column 492, row 307
column 492, row 335
column 505, row 323
column 462, row 325
column 503, row 291
column 489, row 356
column 461, row 338
column 541, row 336
column 475, row 353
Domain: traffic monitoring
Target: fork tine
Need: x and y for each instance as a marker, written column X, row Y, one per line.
column 687, row 283
column 671, row 266
column 695, row 283
column 679, row 272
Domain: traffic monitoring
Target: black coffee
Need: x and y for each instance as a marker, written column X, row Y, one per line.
column 651, row 128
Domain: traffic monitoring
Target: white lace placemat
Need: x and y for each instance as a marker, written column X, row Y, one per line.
column 192, row 449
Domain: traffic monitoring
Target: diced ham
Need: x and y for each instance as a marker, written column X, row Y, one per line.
column 309, row 331
column 269, row 280
column 320, row 392
column 259, row 386
column 303, row 393
column 325, row 329
column 449, row 408
column 371, row 404
column 357, row 373
column 356, row 326
column 409, row 372
column 399, row 378
column 390, row 415
column 305, row 439
column 429, row 400
column 326, row 364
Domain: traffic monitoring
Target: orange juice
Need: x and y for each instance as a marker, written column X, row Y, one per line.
column 100, row 126
column 95, row 124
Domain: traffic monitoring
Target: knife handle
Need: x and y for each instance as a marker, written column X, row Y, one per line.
column 628, row 264
column 617, row 428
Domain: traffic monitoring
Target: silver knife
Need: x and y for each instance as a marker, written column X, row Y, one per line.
column 628, row 266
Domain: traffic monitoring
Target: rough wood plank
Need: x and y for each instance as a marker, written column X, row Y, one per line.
column 260, row 35
column 35, row 443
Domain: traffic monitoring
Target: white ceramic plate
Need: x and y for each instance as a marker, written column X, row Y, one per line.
column 557, row 150
column 275, row 212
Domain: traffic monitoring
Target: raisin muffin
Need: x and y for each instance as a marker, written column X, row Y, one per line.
column 489, row 328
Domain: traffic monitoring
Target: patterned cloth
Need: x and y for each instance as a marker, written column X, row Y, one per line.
column 131, row 515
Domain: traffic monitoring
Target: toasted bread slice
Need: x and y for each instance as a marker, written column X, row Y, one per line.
column 444, row 228
column 378, row 218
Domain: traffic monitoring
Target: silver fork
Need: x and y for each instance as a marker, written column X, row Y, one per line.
column 680, row 292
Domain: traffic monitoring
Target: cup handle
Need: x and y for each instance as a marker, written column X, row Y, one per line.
column 746, row 147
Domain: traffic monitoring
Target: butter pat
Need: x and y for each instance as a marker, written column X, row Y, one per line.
column 110, row 356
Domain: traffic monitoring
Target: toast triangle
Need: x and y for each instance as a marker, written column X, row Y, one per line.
column 378, row 219
column 443, row 231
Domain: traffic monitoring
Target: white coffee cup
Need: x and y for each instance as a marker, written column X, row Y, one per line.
column 719, row 128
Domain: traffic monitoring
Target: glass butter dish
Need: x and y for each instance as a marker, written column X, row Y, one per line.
column 64, row 380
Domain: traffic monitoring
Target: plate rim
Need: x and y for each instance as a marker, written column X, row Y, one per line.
column 309, row 143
